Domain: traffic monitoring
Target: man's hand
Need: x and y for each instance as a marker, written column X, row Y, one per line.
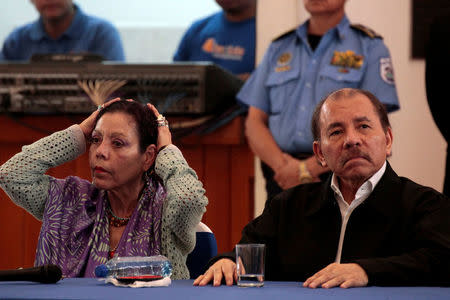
column 287, row 175
column 223, row 267
column 342, row 275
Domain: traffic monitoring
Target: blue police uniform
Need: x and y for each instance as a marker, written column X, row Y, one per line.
column 86, row 34
column 292, row 79
column 230, row 45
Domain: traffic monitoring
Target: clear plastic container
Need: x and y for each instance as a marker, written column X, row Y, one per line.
column 128, row 269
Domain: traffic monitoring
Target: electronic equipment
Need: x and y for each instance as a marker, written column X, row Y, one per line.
column 175, row 89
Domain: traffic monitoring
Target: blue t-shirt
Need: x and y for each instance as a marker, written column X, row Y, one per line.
column 292, row 79
column 86, row 34
column 230, row 45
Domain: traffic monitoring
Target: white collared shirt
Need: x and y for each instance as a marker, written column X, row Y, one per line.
column 346, row 209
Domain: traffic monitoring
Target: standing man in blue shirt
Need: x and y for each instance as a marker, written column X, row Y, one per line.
column 226, row 38
column 300, row 68
column 63, row 28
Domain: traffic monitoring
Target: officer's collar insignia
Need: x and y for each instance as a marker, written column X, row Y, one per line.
column 283, row 62
column 347, row 59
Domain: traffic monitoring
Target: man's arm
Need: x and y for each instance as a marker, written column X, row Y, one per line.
column 261, row 140
column 263, row 145
column 262, row 230
column 379, row 75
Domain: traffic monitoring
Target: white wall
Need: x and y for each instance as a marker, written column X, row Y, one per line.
column 419, row 148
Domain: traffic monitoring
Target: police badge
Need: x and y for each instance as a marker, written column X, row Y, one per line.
column 283, row 62
column 347, row 59
column 386, row 70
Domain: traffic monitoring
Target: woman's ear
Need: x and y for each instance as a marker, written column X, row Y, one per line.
column 149, row 157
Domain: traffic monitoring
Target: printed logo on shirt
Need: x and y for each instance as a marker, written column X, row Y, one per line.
column 347, row 59
column 224, row 52
column 283, row 62
column 387, row 70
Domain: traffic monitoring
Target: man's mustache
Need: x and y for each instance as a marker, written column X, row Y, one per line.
column 353, row 153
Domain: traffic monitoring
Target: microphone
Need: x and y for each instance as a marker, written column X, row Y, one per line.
column 42, row 274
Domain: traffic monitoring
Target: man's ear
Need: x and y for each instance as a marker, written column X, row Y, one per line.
column 389, row 140
column 318, row 153
column 149, row 157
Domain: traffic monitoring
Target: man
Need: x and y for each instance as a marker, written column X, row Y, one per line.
column 299, row 68
column 226, row 38
column 61, row 29
column 364, row 225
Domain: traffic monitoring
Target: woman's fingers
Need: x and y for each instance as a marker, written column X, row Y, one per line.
column 153, row 109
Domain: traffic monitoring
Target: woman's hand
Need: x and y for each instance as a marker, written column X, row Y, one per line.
column 164, row 135
column 89, row 123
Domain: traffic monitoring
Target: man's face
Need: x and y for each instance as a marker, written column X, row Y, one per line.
column 352, row 141
column 53, row 9
column 317, row 7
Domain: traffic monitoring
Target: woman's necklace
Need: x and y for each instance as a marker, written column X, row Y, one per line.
column 112, row 251
column 115, row 220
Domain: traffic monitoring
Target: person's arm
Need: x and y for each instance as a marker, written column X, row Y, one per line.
column 23, row 177
column 186, row 201
column 378, row 77
column 181, row 54
column 263, row 145
column 260, row 139
column 184, row 47
column 262, row 230
column 426, row 260
column 423, row 261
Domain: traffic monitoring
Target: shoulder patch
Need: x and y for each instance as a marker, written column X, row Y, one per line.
column 284, row 34
column 366, row 30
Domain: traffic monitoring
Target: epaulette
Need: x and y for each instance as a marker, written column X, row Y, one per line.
column 366, row 30
column 284, row 34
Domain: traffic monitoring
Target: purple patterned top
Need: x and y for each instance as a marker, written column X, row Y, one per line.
column 75, row 229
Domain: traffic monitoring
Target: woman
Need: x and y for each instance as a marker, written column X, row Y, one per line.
column 144, row 199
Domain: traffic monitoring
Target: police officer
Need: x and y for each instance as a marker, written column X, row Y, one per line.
column 300, row 68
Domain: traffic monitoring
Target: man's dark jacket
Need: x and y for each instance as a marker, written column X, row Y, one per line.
column 400, row 235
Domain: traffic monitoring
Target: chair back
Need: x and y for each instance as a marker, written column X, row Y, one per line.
column 205, row 249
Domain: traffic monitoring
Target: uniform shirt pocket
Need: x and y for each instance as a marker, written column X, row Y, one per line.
column 281, row 86
column 332, row 78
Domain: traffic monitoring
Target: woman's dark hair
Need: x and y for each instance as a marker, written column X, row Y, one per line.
column 145, row 120
column 379, row 108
